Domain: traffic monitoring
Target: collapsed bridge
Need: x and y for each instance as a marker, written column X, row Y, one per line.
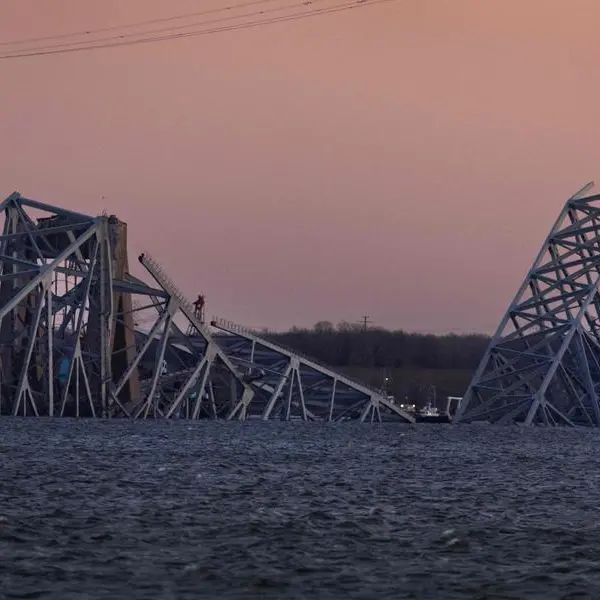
column 542, row 366
column 72, row 342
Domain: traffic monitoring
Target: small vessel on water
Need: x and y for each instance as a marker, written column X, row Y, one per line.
column 430, row 414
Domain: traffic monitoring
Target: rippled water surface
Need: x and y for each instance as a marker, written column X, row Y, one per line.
column 289, row 510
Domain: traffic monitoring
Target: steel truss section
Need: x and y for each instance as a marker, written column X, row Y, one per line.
column 542, row 365
column 70, row 340
column 291, row 386
column 191, row 375
column 82, row 337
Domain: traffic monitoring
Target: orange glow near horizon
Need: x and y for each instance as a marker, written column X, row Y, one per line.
column 404, row 160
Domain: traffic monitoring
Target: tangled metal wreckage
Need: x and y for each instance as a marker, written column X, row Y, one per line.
column 80, row 336
column 542, row 366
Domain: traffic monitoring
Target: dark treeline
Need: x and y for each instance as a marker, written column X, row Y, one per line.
column 350, row 345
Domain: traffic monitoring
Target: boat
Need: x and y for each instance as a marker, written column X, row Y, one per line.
column 430, row 414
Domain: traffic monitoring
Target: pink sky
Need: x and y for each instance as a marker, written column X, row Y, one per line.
column 403, row 160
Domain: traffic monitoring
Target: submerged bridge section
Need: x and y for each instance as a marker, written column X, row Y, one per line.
column 291, row 386
column 81, row 336
column 543, row 363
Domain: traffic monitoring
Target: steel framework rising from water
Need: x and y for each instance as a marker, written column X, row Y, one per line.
column 80, row 336
column 291, row 385
column 542, row 366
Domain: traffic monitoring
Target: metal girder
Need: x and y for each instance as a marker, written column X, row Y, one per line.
column 291, row 386
column 542, row 365
column 50, row 311
column 191, row 377
column 82, row 337
column 70, row 339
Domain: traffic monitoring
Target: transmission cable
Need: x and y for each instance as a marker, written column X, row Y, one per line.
column 88, row 32
column 97, row 44
column 172, row 28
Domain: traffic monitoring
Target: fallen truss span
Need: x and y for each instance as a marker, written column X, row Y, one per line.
column 80, row 336
column 542, row 365
column 289, row 385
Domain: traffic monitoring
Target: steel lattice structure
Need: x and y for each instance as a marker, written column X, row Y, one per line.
column 542, row 365
column 80, row 336
column 289, row 385
column 69, row 345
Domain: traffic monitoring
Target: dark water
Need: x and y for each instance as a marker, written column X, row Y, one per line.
column 273, row 510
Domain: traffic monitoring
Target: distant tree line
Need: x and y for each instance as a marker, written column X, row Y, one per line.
column 351, row 345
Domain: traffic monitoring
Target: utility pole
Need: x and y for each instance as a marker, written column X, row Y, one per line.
column 366, row 321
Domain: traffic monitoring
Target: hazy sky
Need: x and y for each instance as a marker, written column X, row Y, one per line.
column 403, row 160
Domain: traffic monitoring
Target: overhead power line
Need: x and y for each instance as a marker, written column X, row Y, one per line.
column 173, row 28
column 89, row 32
column 148, row 39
